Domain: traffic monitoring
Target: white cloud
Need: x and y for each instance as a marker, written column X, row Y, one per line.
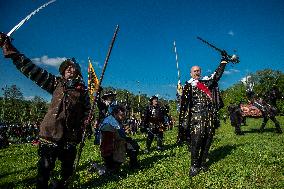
column 231, row 33
column 245, row 79
column 98, row 65
column 234, row 70
column 45, row 60
column 29, row 97
column 231, row 71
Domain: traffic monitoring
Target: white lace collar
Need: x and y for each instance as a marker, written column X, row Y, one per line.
column 193, row 82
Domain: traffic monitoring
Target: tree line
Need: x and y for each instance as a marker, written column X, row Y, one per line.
column 17, row 110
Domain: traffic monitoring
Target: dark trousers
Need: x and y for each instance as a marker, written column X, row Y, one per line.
column 132, row 153
column 111, row 165
column 184, row 133
column 114, row 166
column 97, row 136
column 48, row 154
column 202, row 133
column 150, row 137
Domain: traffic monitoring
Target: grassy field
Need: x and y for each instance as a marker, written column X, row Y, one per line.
column 251, row 161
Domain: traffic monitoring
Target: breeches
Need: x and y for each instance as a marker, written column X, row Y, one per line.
column 131, row 152
column 151, row 135
column 48, row 154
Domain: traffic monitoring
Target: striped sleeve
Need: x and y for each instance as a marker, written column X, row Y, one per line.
column 41, row 77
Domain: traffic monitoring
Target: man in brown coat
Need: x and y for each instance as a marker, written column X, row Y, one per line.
column 62, row 127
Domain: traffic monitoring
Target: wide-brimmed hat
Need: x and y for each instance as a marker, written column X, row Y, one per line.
column 108, row 94
column 69, row 62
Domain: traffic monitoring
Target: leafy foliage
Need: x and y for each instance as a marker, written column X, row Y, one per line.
column 263, row 82
column 16, row 110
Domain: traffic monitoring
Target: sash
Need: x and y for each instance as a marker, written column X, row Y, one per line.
column 204, row 89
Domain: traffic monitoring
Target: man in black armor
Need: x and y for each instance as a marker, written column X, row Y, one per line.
column 201, row 101
column 154, row 122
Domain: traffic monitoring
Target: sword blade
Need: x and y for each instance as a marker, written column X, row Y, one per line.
column 210, row 44
column 28, row 17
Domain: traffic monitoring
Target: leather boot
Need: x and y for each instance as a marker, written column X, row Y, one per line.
column 194, row 169
column 133, row 160
column 203, row 165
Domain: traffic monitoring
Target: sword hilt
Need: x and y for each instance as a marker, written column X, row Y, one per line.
column 3, row 39
column 230, row 58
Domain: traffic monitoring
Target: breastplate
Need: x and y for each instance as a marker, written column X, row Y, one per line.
column 200, row 101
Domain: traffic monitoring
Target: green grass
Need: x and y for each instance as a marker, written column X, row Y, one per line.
column 251, row 161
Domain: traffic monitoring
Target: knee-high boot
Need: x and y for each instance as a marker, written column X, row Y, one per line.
column 195, row 149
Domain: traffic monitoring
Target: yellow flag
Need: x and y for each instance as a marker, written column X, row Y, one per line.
column 179, row 89
column 93, row 82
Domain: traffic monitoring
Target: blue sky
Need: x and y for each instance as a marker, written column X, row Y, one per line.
column 143, row 50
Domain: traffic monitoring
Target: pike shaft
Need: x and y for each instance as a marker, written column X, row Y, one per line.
column 108, row 54
column 178, row 71
column 90, row 116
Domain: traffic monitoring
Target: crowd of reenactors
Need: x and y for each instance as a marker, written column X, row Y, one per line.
column 18, row 133
column 62, row 129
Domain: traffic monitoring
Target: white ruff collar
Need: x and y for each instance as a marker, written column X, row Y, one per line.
column 193, row 82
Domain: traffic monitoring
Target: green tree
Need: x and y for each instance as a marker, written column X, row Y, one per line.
column 12, row 104
column 38, row 108
column 263, row 81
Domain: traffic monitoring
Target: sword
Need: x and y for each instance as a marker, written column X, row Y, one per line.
column 231, row 58
column 28, row 17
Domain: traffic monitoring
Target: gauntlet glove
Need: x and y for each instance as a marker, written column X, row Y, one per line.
column 5, row 43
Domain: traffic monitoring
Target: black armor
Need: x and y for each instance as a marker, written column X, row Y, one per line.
column 199, row 104
column 154, row 122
